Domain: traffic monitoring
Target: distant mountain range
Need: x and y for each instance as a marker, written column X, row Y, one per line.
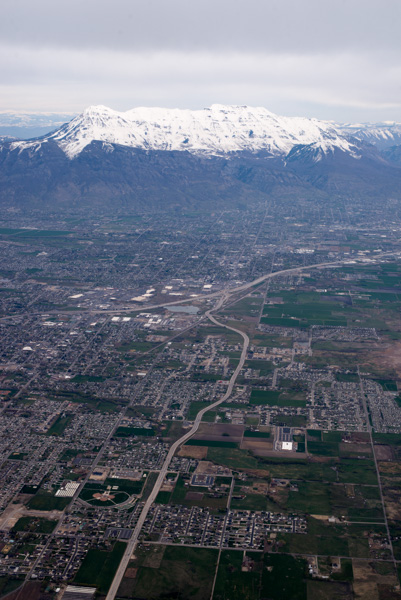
column 28, row 125
column 160, row 157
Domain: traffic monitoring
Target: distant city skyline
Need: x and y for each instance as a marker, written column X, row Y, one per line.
column 330, row 60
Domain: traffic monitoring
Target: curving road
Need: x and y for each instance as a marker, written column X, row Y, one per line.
column 163, row 471
column 246, row 286
column 224, row 295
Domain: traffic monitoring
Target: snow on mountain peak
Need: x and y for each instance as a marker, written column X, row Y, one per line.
column 382, row 135
column 217, row 130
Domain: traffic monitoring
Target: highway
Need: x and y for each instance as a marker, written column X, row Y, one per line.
column 224, row 296
column 163, row 471
column 246, row 286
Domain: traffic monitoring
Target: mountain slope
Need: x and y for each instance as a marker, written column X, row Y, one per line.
column 163, row 159
column 46, row 178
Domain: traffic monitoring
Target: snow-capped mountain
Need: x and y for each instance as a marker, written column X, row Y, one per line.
column 156, row 158
column 382, row 135
column 216, row 131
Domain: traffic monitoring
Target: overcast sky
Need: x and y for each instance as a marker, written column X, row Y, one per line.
column 333, row 59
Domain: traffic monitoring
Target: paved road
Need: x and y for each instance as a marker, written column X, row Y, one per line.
column 369, row 427
column 246, row 286
column 228, row 291
column 163, row 471
column 224, row 296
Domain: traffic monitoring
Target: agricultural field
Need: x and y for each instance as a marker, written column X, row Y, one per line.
column 166, row 571
column 99, row 566
column 234, row 582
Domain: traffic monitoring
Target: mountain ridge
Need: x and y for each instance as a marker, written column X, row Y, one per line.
column 219, row 130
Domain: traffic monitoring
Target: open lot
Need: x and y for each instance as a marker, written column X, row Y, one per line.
column 198, row 452
column 370, row 583
column 329, row 590
column 258, row 446
column 224, row 432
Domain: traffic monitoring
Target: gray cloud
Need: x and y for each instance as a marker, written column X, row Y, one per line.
column 331, row 59
column 244, row 25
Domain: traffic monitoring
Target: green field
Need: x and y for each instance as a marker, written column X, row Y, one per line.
column 330, row 539
column 349, row 470
column 232, row 582
column 46, row 501
column 256, row 434
column 60, row 425
column 323, row 448
column 347, row 377
column 283, row 577
column 34, row 524
column 135, row 347
column 134, row 431
column 163, row 498
column 182, row 574
column 149, row 485
column 125, row 489
column 252, row 502
column 9, row 584
column 289, row 420
column 247, row 306
column 212, row 443
column 179, row 496
column 392, row 439
column 305, row 309
column 194, row 408
column 388, row 385
column 357, row 471
column 277, row 398
column 104, row 406
column 99, row 566
column 233, row 458
column 264, row 366
column 314, row 497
